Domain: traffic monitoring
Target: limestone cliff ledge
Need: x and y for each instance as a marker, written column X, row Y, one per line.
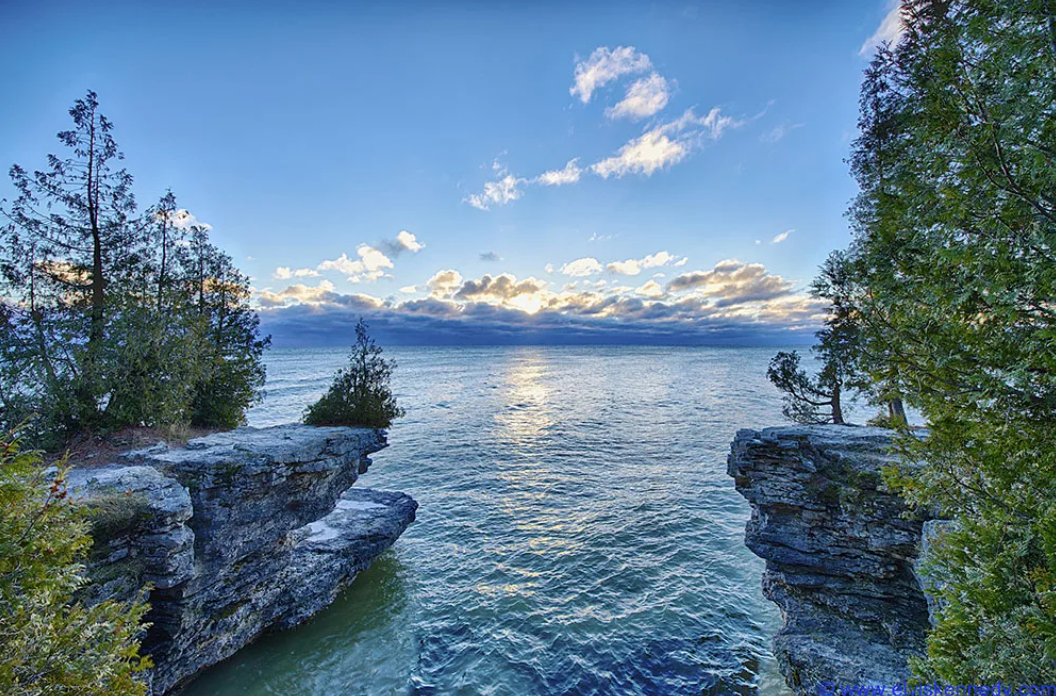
column 839, row 552
column 239, row 533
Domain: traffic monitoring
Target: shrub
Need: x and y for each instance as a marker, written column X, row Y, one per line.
column 360, row 394
column 50, row 644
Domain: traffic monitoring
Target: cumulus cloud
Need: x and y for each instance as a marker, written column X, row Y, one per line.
column 184, row 220
column 297, row 293
column 778, row 238
column 405, row 241
column 635, row 266
column 645, row 97
column 580, row 267
column 891, row 29
column 604, row 66
column 732, row 282
column 444, row 283
column 732, row 302
column 285, row 273
column 559, row 177
column 368, row 267
column 651, row 289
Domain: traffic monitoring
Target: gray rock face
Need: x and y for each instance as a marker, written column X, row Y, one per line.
column 839, row 552
column 239, row 533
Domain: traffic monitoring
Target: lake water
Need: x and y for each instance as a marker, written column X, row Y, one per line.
column 577, row 531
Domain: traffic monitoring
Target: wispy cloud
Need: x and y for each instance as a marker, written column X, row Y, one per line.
column 604, row 66
column 645, row 97
column 891, row 29
column 778, row 238
column 778, row 133
column 490, row 256
column 559, row 177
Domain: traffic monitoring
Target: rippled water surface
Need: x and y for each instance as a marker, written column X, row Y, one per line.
column 577, row 531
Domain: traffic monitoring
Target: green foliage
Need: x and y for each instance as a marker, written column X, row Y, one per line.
column 360, row 394
column 953, row 285
column 51, row 645
column 110, row 317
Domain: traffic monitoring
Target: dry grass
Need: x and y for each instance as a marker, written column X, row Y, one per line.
column 90, row 450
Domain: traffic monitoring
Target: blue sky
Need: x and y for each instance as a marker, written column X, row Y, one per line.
column 478, row 172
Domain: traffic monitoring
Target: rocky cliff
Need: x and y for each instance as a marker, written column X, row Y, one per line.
column 839, row 552
column 238, row 533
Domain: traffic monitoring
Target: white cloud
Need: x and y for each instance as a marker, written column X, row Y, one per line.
column 367, row 268
column 665, row 145
column 184, row 220
column 444, row 283
column 645, row 97
column 409, row 289
column 651, row 289
column 559, row 177
column 581, row 267
column 285, row 273
column 405, row 241
column 777, row 133
column 732, row 283
column 605, row 65
column 297, row 294
column 891, row 29
column 503, row 190
column 633, row 267
column 644, row 155
column 778, row 238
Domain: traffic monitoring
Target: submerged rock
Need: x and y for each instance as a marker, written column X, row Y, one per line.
column 239, row 533
column 840, row 553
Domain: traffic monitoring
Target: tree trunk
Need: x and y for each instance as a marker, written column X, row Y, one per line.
column 837, row 409
column 896, row 412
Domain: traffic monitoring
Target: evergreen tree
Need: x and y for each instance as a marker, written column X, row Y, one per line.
column 360, row 394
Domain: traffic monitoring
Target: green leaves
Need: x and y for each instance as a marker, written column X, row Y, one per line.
column 49, row 644
column 956, row 277
column 360, row 394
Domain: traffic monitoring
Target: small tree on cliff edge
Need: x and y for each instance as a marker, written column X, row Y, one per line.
column 360, row 394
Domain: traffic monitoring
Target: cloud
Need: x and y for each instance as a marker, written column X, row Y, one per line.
column 604, row 66
column 651, row 289
column 777, row 133
column 581, row 267
column 651, row 151
column 409, row 289
column 559, row 177
column 444, row 283
column 503, row 287
column 300, row 294
column 490, row 256
column 666, row 144
column 645, row 97
column 285, row 273
column 633, row 267
column 184, row 220
column 891, row 29
column 405, row 241
column 367, row 268
column 503, row 190
column 778, row 238
column 732, row 282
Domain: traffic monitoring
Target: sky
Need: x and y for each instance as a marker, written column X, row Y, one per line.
column 470, row 172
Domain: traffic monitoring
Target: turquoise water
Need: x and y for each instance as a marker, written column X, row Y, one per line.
column 577, row 532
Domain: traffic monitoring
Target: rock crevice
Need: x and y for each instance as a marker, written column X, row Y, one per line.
column 238, row 533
